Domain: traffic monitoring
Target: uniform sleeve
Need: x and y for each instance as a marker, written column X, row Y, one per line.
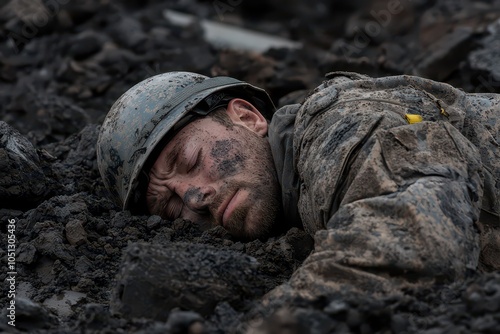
column 403, row 212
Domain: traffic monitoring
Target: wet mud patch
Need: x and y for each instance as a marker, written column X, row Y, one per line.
column 228, row 158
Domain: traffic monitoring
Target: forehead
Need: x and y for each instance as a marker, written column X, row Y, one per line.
column 201, row 130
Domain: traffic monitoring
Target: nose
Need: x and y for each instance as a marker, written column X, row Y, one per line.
column 196, row 197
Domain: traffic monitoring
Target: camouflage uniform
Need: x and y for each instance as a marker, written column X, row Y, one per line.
column 390, row 203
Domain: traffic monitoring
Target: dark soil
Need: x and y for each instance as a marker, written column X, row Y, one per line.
column 84, row 266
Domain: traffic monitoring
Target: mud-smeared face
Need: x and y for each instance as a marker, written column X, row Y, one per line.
column 218, row 174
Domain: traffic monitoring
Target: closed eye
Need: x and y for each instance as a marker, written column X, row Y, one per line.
column 194, row 161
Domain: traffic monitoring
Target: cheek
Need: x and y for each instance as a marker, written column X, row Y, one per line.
column 153, row 193
column 228, row 158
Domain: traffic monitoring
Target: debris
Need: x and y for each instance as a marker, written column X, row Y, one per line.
column 62, row 303
column 31, row 317
column 444, row 56
column 153, row 280
column 75, row 233
column 23, row 183
column 232, row 37
column 484, row 61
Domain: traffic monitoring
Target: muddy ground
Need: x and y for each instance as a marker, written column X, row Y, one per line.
column 84, row 266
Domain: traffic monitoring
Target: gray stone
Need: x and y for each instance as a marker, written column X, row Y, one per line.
column 26, row 253
column 75, row 233
column 154, row 280
column 444, row 56
column 22, row 181
column 484, row 62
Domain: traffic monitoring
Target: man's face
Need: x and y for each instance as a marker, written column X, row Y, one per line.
column 219, row 172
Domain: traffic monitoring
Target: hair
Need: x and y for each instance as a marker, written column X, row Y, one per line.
column 220, row 116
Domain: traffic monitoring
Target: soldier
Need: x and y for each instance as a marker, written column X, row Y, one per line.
column 397, row 178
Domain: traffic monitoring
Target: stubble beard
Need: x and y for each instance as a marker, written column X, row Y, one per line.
column 258, row 217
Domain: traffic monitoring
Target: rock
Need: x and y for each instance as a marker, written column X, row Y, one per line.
column 76, row 167
column 46, row 116
column 94, row 317
column 395, row 58
column 227, row 316
column 483, row 299
column 22, row 181
column 29, row 19
column 120, row 219
column 128, row 32
column 50, row 243
column 484, row 61
column 399, row 324
column 443, row 57
column 31, row 316
column 336, row 307
column 62, row 303
column 78, row 12
column 83, row 265
column 154, row 280
column 283, row 320
column 75, row 233
column 85, row 44
column 185, row 322
column 154, row 222
column 26, row 253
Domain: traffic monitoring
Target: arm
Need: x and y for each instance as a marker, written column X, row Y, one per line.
column 406, row 211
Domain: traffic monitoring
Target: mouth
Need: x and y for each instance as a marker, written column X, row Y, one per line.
column 226, row 208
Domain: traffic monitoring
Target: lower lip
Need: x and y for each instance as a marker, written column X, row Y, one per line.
column 231, row 206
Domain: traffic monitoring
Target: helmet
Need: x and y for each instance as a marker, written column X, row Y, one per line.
column 144, row 117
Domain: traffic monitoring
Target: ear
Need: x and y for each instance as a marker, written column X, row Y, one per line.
column 245, row 114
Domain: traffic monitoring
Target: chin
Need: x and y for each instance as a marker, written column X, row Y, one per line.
column 255, row 221
column 259, row 227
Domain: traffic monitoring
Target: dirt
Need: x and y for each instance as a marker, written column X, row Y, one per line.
column 83, row 265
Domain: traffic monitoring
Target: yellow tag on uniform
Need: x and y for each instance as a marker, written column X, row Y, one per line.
column 412, row 118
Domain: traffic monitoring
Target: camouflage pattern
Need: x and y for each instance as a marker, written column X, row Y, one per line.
column 390, row 204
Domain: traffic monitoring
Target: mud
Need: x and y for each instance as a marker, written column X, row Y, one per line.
column 83, row 265
column 227, row 165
